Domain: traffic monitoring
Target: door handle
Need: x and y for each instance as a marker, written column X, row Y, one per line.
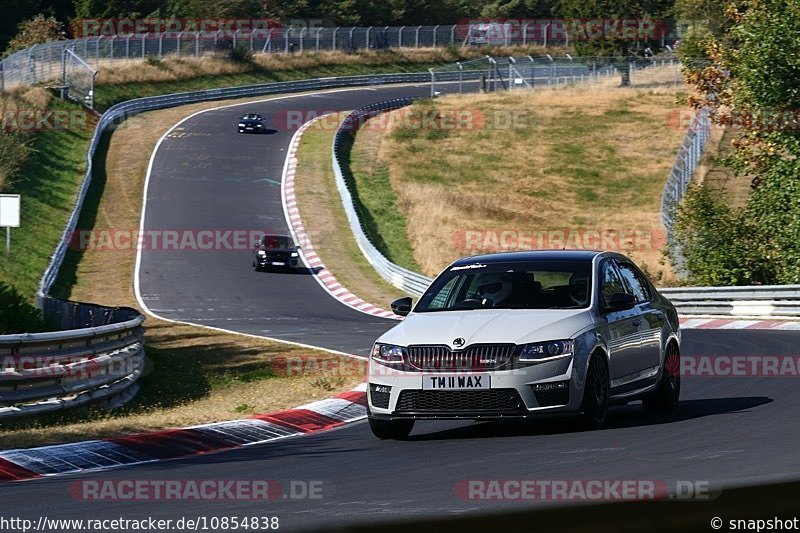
column 637, row 321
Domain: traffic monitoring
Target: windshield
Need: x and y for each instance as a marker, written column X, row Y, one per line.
column 276, row 241
column 517, row 285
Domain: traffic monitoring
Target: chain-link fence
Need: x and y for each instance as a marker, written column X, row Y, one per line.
column 78, row 79
column 42, row 63
column 528, row 72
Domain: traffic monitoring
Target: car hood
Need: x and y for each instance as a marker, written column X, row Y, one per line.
column 495, row 326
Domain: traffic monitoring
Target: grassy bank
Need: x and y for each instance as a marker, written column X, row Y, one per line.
column 325, row 221
column 118, row 82
column 579, row 167
column 193, row 375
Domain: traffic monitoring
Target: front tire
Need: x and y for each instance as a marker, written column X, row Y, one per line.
column 668, row 391
column 391, row 429
column 594, row 408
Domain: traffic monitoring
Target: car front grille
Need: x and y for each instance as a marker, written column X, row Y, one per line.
column 475, row 357
column 460, row 401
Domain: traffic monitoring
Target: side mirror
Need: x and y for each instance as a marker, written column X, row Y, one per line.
column 620, row 301
column 256, row 244
column 402, row 306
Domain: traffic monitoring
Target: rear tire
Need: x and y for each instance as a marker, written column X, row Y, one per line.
column 391, row 429
column 594, row 408
column 668, row 391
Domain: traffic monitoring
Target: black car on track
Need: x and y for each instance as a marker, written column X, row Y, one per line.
column 275, row 251
column 252, row 123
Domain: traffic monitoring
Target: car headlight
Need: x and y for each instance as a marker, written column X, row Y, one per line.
column 262, row 252
column 388, row 354
column 294, row 254
column 241, row 125
column 544, row 350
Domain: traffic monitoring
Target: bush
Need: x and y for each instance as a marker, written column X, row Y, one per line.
column 721, row 246
column 16, row 314
column 241, row 54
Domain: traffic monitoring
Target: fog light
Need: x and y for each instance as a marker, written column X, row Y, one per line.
column 539, row 387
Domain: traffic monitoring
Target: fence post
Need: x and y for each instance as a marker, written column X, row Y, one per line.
column 336, row 29
column 453, row 34
column 460, row 77
column 144, row 45
column 350, row 42
column 571, row 74
column 416, row 37
column 525, row 33
column 369, row 30
column 400, row 37
column 113, row 41
column 302, row 33
column 161, row 45
column 435, row 29
column 317, row 45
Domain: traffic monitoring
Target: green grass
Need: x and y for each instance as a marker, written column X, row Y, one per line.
column 377, row 203
column 48, row 183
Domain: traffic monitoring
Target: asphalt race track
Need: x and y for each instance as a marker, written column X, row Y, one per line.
column 205, row 176
column 727, row 430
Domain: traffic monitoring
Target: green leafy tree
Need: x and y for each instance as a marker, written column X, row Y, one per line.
column 751, row 80
column 39, row 29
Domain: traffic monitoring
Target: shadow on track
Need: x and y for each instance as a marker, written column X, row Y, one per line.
column 626, row 416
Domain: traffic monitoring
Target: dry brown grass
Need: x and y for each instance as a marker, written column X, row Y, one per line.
column 584, row 159
column 325, row 221
column 734, row 189
column 172, row 68
column 213, row 370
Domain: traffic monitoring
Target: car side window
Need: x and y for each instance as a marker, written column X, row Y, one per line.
column 610, row 281
column 638, row 287
column 441, row 299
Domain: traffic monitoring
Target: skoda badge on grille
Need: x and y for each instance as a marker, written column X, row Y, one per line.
column 459, row 342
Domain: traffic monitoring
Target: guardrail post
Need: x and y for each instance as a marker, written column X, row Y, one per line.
column 571, row 73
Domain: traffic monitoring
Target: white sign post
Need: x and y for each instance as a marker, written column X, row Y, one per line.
column 9, row 216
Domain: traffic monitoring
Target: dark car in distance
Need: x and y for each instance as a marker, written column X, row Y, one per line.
column 251, row 123
column 275, row 251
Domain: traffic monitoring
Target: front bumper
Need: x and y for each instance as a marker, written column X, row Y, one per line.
column 272, row 262
column 547, row 388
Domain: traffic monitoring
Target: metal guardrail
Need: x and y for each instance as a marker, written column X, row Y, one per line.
column 402, row 278
column 100, row 355
column 43, row 62
column 97, row 358
column 752, row 301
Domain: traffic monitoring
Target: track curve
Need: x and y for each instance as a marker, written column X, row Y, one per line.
column 205, row 176
column 726, row 430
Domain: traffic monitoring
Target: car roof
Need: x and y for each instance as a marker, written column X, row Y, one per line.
column 532, row 255
column 276, row 236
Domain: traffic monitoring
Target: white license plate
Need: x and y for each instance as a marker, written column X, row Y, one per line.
column 456, row 381
column 278, row 264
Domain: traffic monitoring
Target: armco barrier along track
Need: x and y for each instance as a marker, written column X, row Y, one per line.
column 98, row 357
column 748, row 301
